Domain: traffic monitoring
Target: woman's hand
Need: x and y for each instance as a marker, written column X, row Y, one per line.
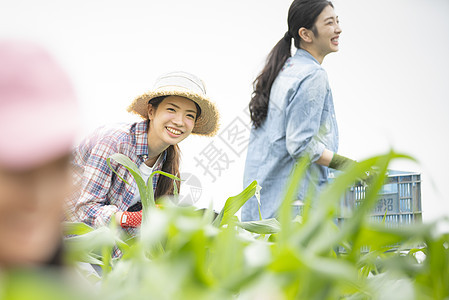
column 118, row 217
column 129, row 219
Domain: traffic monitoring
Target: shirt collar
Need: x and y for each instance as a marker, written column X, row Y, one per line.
column 142, row 138
column 141, row 130
column 304, row 53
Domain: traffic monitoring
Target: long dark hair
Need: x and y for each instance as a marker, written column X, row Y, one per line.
column 302, row 13
column 165, row 185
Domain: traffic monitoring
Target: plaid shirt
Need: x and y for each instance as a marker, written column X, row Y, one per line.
column 100, row 193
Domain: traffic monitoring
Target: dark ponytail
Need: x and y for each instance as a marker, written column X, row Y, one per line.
column 302, row 13
column 258, row 106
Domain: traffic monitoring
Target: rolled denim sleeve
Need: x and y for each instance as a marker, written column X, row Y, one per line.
column 303, row 117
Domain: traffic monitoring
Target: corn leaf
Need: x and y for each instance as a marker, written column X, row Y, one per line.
column 233, row 204
column 150, row 201
column 133, row 169
column 285, row 211
column 266, row 226
column 76, row 228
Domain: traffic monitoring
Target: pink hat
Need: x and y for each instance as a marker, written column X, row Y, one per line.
column 38, row 110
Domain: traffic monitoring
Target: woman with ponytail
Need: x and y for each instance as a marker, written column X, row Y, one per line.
column 292, row 109
column 174, row 108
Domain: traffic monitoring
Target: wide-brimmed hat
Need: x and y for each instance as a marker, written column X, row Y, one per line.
column 38, row 110
column 185, row 85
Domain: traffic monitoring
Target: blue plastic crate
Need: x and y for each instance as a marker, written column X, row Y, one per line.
column 399, row 198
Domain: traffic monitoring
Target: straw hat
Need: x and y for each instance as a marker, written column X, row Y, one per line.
column 186, row 85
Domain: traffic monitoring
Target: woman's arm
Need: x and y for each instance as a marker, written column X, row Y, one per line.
column 325, row 158
column 92, row 205
column 334, row 160
column 303, row 117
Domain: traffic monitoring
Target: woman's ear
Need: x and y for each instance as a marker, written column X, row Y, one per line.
column 305, row 34
column 151, row 111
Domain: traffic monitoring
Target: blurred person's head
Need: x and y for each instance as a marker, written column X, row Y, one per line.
column 38, row 122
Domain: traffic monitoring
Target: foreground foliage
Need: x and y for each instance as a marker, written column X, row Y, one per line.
column 184, row 254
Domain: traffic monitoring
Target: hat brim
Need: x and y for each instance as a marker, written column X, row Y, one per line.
column 207, row 123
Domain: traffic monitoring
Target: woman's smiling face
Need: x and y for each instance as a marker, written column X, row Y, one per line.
column 328, row 32
column 172, row 120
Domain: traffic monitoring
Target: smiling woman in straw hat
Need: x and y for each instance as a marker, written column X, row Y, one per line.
column 176, row 107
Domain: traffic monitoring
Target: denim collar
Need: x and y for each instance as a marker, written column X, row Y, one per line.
column 303, row 53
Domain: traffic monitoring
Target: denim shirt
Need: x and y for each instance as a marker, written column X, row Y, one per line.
column 300, row 121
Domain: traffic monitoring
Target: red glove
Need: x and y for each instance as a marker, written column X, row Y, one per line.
column 131, row 219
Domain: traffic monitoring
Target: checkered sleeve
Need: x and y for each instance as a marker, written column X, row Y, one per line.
column 93, row 206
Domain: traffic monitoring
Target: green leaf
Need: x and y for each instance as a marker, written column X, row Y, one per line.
column 329, row 200
column 266, row 226
column 149, row 201
column 81, row 247
column 145, row 190
column 76, row 228
column 39, row 284
column 233, row 204
column 285, row 211
column 133, row 169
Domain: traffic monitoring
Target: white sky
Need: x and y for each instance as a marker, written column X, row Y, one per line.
column 389, row 79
